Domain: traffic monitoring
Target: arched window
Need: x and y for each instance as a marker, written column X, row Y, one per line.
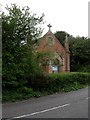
column 49, row 40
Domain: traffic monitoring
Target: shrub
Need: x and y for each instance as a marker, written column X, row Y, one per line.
column 45, row 85
column 71, row 81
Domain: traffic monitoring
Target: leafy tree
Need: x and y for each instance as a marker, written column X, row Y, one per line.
column 19, row 29
column 60, row 35
column 80, row 53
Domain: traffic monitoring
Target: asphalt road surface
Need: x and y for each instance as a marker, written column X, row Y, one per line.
column 73, row 104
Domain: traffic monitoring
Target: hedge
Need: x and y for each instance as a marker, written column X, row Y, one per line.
column 44, row 85
column 62, row 81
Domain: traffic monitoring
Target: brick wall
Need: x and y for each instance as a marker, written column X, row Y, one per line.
column 54, row 47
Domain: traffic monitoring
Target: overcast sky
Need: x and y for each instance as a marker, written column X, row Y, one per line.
column 64, row 15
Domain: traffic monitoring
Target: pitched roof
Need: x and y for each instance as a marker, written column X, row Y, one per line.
column 57, row 46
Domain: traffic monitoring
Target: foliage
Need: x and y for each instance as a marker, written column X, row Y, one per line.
column 79, row 51
column 46, row 85
column 80, row 54
column 19, row 29
column 22, row 76
column 60, row 82
column 60, row 35
column 44, row 57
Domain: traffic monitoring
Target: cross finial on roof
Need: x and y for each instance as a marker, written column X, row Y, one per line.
column 49, row 26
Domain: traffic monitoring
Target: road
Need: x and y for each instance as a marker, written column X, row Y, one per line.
column 73, row 104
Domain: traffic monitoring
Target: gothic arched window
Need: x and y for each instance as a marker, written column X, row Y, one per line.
column 49, row 41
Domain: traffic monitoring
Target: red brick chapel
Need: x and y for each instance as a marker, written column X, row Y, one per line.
column 59, row 60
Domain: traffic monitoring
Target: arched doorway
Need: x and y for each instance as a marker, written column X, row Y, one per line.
column 55, row 66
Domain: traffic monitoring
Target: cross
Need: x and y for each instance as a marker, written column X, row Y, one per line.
column 49, row 26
